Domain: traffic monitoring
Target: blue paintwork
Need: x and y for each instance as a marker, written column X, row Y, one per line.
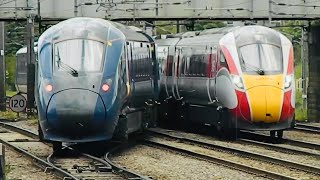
column 77, row 110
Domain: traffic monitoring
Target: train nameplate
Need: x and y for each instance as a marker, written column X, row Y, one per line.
column 18, row 103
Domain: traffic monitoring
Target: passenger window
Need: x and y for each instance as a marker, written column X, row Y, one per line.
column 169, row 65
column 203, row 66
column 213, row 61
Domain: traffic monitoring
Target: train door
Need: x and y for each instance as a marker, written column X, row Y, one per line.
column 154, row 70
column 162, row 55
column 211, row 72
column 130, row 68
column 149, row 68
column 185, row 90
column 220, row 62
column 168, row 77
column 175, row 73
column 129, row 86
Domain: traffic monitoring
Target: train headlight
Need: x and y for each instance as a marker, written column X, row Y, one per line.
column 105, row 87
column 288, row 81
column 237, row 81
column 49, row 88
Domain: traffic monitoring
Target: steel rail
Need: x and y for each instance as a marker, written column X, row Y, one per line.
column 42, row 164
column 279, row 148
column 262, row 137
column 107, row 162
column 223, row 162
column 307, row 128
column 19, row 130
column 127, row 173
column 261, row 157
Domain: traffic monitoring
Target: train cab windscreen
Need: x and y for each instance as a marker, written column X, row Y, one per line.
column 78, row 56
column 261, row 58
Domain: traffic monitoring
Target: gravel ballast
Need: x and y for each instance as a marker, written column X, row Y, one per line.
column 310, row 160
column 20, row 167
column 162, row 164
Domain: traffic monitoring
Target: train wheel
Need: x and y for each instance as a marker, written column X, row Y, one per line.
column 57, row 147
column 121, row 131
column 280, row 134
column 272, row 134
column 231, row 133
column 168, row 114
column 293, row 123
column 155, row 115
column 40, row 133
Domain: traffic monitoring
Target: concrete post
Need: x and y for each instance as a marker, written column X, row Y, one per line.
column 313, row 73
column 75, row 8
column 304, row 61
column 270, row 13
column 2, row 70
column 178, row 26
column 2, row 162
column 31, row 64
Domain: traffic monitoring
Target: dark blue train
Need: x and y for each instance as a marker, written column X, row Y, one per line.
column 95, row 79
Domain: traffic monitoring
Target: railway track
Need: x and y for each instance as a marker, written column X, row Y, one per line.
column 265, row 138
column 71, row 165
column 307, row 128
column 280, row 148
column 313, row 171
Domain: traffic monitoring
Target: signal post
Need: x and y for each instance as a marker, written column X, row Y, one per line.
column 31, row 64
column 2, row 70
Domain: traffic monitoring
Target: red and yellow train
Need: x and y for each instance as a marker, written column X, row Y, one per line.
column 232, row 78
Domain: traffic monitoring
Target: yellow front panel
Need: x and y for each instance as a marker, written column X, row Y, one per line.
column 257, row 103
column 265, row 96
column 274, row 101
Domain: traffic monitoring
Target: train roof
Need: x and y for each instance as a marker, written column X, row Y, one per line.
column 167, row 42
column 260, row 34
column 131, row 32
column 191, row 38
column 203, row 40
column 243, row 35
column 95, row 28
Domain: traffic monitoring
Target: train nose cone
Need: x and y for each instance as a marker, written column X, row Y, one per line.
column 76, row 111
column 265, row 103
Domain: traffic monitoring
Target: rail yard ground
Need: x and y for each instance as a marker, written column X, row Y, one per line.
column 150, row 162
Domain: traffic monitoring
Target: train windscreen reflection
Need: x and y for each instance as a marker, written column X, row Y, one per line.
column 266, row 57
column 78, row 55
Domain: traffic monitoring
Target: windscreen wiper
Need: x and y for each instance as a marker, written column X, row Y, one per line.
column 69, row 69
column 255, row 68
column 66, row 67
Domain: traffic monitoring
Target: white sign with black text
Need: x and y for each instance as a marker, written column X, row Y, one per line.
column 18, row 103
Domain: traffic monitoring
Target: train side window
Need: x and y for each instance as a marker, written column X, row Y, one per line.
column 198, row 65
column 145, row 67
column 203, row 66
column 192, row 65
column 182, row 66
column 123, row 71
column 213, row 61
column 169, row 65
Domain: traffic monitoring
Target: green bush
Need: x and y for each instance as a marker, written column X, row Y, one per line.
column 10, row 72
